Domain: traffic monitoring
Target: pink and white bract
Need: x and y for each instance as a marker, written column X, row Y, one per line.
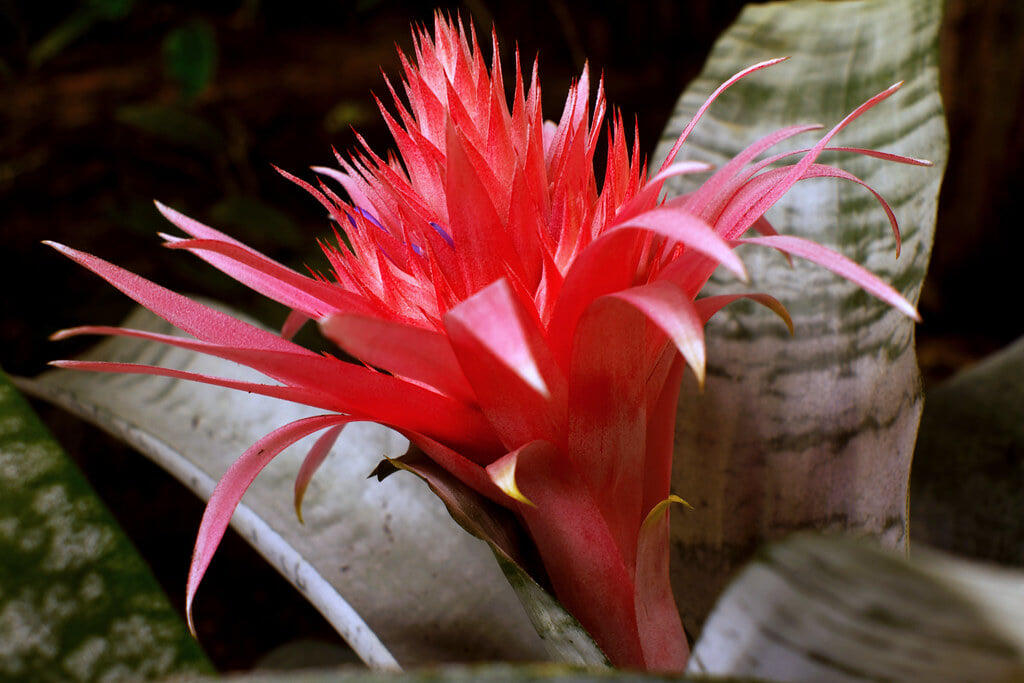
column 534, row 324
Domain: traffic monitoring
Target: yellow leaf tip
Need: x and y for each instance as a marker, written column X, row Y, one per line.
column 701, row 375
column 503, row 474
column 300, row 494
column 662, row 507
column 188, row 619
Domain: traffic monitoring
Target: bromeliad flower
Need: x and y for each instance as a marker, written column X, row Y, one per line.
column 524, row 326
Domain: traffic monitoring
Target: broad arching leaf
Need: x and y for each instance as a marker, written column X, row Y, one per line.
column 817, row 430
column 383, row 561
column 814, row 608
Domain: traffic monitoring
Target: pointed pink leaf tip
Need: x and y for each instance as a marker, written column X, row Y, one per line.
column 316, row 456
column 670, row 158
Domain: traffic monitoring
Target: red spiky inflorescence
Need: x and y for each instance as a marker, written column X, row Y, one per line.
column 533, row 323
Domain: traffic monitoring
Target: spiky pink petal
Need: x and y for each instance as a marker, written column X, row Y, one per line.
column 758, row 185
column 312, row 298
column 668, row 307
column 724, row 181
column 795, row 172
column 344, row 387
column 838, row 264
column 229, row 490
column 663, row 638
column 693, row 233
column 410, row 352
column 709, row 305
column 292, row 324
column 580, row 553
column 681, row 168
column 271, row 390
column 663, row 388
column 316, row 456
column 607, row 414
column 732, row 80
column 189, row 316
column 519, row 386
column 609, row 265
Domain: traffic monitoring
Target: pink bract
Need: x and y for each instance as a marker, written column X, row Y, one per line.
column 534, row 324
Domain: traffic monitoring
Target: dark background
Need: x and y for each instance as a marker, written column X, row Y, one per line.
column 100, row 124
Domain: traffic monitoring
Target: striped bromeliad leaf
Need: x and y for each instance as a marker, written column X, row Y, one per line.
column 814, row 430
column 817, row 608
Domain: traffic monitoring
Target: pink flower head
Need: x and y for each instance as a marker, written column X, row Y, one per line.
column 532, row 323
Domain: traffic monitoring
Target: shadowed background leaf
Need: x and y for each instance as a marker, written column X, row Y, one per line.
column 967, row 485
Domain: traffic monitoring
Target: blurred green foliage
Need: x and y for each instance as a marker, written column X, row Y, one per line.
column 75, row 25
column 190, row 57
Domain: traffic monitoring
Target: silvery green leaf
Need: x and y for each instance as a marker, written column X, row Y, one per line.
column 77, row 603
column 814, row 431
column 967, row 484
column 383, row 561
column 815, row 608
column 565, row 638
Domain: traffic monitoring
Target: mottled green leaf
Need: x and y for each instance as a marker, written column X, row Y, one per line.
column 817, row 430
column 383, row 561
column 967, row 484
column 77, row 603
column 832, row 609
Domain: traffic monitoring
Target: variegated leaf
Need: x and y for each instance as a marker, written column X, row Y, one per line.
column 77, row 603
column 814, row 431
column 831, row 609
